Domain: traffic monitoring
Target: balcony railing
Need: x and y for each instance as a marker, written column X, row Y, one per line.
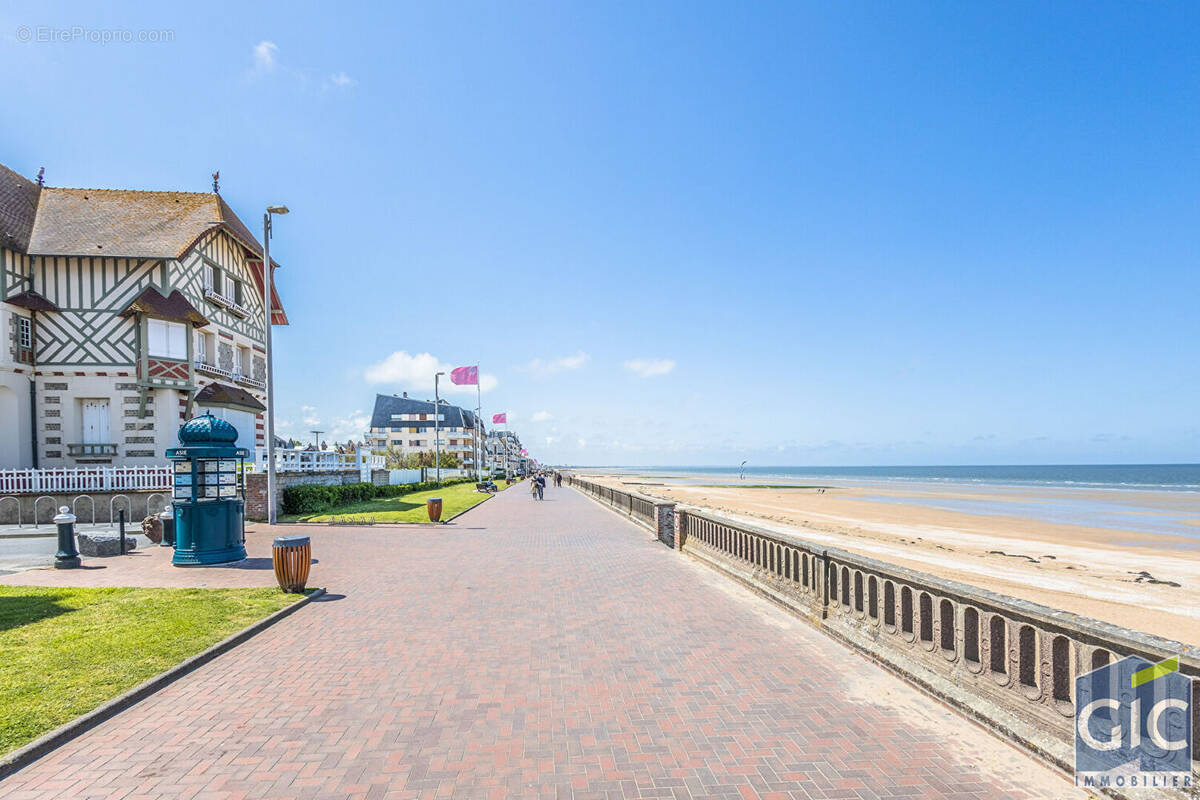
column 213, row 296
column 246, row 380
column 91, row 450
column 211, row 369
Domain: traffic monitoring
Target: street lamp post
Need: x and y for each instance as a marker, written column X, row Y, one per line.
column 267, row 306
column 437, row 435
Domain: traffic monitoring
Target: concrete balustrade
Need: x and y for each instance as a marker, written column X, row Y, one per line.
column 1006, row 662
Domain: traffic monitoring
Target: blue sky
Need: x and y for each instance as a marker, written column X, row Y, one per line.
column 685, row 233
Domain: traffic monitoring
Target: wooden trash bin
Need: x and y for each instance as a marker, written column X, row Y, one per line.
column 291, row 555
column 434, row 506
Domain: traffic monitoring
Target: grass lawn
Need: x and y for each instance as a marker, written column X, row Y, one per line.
column 405, row 508
column 66, row 651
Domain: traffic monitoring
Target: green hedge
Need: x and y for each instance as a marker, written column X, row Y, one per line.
column 315, row 499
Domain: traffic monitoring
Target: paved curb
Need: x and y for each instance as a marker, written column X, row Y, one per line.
column 24, row 756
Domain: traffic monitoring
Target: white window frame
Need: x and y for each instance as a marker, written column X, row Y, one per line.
column 201, row 348
column 25, row 333
column 166, row 339
column 102, row 435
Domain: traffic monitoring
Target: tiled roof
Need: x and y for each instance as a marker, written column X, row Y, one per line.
column 33, row 301
column 18, row 207
column 219, row 395
column 386, row 405
column 127, row 223
column 122, row 222
column 174, row 306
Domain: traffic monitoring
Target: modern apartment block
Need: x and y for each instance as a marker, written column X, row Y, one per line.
column 122, row 312
column 407, row 425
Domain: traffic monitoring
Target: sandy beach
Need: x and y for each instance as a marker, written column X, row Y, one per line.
column 1137, row 578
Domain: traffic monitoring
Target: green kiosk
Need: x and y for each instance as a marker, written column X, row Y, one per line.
column 209, row 493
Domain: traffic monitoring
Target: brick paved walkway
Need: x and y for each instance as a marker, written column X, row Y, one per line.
column 533, row 650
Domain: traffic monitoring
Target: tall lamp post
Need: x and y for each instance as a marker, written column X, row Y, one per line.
column 268, row 302
column 437, row 435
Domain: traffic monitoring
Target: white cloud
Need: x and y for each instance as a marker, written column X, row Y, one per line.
column 265, row 53
column 351, row 426
column 341, row 428
column 649, row 367
column 341, row 80
column 549, row 439
column 416, row 372
column 543, row 366
column 581, row 442
column 542, row 416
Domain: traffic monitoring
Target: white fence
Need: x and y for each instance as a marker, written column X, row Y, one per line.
column 399, row 477
column 320, row 461
column 155, row 478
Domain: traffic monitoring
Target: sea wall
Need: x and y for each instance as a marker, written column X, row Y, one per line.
column 1007, row 663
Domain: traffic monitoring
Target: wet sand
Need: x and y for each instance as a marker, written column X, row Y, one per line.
column 1140, row 580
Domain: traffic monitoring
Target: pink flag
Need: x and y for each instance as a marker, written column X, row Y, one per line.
column 465, row 376
column 499, row 419
column 524, row 452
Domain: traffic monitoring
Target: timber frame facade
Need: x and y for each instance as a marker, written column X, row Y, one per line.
column 121, row 315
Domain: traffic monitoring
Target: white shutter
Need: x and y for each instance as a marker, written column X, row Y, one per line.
column 156, row 337
column 201, row 349
column 95, row 422
column 176, row 340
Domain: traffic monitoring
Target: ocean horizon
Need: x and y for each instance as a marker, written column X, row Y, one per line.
column 1144, row 477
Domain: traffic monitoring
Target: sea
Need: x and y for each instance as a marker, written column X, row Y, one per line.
column 1138, row 498
column 1144, row 477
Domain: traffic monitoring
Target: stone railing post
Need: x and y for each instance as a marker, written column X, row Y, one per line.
column 664, row 524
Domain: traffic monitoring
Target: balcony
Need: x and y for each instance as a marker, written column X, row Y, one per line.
column 246, row 380
column 91, row 450
column 218, row 299
column 211, row 369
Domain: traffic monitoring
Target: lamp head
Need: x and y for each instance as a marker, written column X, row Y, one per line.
column 277, row 209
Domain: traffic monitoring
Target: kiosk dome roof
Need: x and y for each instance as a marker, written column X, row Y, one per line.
column 207, row 429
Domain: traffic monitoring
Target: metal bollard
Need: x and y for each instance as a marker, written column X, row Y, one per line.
column 67, row 556
column 121, row 526
column 167, row 518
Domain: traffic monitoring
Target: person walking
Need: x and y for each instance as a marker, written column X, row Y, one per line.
column 533, row 488
column 540, row 480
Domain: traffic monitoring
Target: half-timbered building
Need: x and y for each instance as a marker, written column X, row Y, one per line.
column 122, row 312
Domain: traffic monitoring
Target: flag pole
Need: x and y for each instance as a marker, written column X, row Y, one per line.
column 478, row 426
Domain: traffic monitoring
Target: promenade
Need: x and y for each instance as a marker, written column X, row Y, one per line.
column 529, row 649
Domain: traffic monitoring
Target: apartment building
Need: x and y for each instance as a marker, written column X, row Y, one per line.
column 407, row 425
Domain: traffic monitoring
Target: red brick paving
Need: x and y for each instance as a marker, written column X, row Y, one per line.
column 530, row 650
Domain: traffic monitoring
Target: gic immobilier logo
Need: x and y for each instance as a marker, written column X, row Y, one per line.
column 1133, row 725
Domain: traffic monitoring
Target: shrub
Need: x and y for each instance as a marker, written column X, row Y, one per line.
column 310, row 499
column 306, row 499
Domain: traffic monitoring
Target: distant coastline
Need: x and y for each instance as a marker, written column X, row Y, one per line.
column 1137, row 477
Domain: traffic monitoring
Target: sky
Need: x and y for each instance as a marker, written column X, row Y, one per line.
column 672, row 233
